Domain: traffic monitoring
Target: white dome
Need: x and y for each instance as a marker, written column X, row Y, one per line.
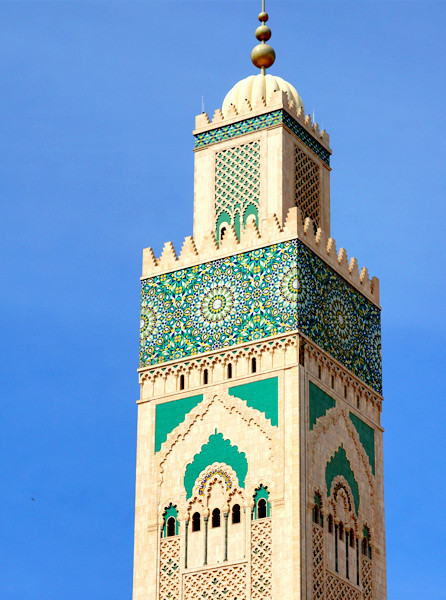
column 255, row 87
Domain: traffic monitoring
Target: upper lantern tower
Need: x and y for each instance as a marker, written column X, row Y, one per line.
column 260, row 155
column 259, row 449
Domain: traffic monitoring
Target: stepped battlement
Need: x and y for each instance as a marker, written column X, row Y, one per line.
column 250, row 238
column 277, row 101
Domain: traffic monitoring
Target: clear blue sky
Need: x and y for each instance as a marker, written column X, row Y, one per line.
column 97, row 105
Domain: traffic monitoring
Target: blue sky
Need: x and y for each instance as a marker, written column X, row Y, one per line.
column 97, row 105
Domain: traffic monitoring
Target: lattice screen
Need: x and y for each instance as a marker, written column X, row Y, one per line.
column 307, row 186
column 223, row 583
column 237, row 185
column 366, row 578
column 318, row 563
column 169, row 568
column 261, row 560
column 339, row 590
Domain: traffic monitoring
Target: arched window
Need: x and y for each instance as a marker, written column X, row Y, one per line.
column 261, row 503
column 230, row 371
column 196, row 521
column 253, row 365
column 236, row 514
column 170, row 521
column 317, row 510
column 261, row 508
column 352, row 539
column 171, row 526
column 222, row 233
column 181, row 382
column 216, row 517
column 205, row 377
column 341, row 531
column 330, row 524
column 366, row 547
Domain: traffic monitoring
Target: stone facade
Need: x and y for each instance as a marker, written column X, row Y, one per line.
column 259, row 459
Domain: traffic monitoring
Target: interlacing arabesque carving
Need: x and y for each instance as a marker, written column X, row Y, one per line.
column 169, row 583
column 217, row 361
column 320, row 429
column 337, row 589
column 230, row 403
column 307, row 186
column 261, row 559
column 366, row 577
column 319, row 358
column 318, row 563
column 222, row 583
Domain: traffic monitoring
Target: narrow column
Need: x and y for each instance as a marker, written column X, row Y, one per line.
column 186, row 540
column 206, row 519
column 336, row 548
column 347, row 537
column 226, row 536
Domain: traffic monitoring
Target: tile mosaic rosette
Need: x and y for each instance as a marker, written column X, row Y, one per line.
column 255, row 295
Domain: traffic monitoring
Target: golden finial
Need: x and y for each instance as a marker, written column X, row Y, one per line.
column 263, row 55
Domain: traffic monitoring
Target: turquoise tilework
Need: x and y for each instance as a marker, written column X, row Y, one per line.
column 254, row 295
column 276, row 117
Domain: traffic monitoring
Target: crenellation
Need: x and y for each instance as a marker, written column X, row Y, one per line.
column 271, row 233
column 277, row 100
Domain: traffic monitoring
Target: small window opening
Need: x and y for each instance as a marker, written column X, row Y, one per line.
column 196, row 521
column 345, row 391
column 205, row 377
column 171, row 527
column 261, row 508
column 341, row 531
column 181, row 382
column 319, row 371
column 332, row 381
column 216, row 517
column 230, row 371
column 236, row 513
column 330, row 524
column 316, row 514
column 352, row 539
column 253, row 365
column 357, row 402
column 222, row 233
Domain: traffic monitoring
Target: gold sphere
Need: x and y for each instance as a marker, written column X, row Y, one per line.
column 263, row 55
column 263, row 33
column 263, row 16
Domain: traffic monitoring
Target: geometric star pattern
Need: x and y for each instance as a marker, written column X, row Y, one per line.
column 254, row 295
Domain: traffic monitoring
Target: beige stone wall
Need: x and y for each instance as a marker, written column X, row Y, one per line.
column 290, row 459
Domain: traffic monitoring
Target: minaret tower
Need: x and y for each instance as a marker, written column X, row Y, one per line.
column 259, row 452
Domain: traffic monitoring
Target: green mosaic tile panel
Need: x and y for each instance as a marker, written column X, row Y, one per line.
column 319, row 403
column 217, row 449
column 262, row 395
column 254, row 295
column 367, row 437
column 276, row 117
column 340, row 465
column 169, row 415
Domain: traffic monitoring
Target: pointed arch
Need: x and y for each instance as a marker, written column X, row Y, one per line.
column 340, row 465
column 217, row 449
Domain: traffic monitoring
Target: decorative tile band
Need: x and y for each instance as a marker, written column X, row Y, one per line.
column 276, row 117
column 255, row 295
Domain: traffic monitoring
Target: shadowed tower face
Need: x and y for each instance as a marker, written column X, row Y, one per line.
column 259, row 453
